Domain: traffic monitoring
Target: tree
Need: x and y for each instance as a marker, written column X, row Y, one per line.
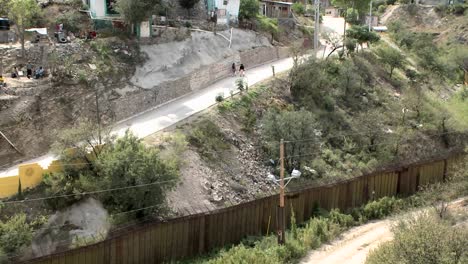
column 334, row 40
column 124, row 162
column 188, row 4
column 392, row 57
column 248, row 9
column 362, row 35
column 269, row 25
column 361, row 6
column 127, row 162
column 298, row 8
column 4, row 7
column 291, row 126
column 135, row 11
column 23, row 12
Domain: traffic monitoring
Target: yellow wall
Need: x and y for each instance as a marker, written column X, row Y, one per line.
column 9, row 186
column 30, row 175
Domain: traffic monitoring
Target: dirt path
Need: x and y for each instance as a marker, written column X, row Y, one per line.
column 388, row 13
column 354, row 245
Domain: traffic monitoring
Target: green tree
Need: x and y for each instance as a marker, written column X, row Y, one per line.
column 291, row 126
column 188, row 4
column 4, row 7
column 362, row 35
column 352, row 16
column 391, row 57
column 298, row 8
column 127, row 162
column 270, row 25
column 248, row 9
column 135, row 11
column 23, row 12
column 124, row 162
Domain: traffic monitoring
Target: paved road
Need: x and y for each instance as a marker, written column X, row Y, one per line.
column 156, row 119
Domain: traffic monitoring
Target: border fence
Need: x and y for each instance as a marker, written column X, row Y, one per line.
column 192, row 235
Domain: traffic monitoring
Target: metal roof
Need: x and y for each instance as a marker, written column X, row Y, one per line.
column 276, row 2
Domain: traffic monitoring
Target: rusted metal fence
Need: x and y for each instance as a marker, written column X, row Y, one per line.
column 197, row 234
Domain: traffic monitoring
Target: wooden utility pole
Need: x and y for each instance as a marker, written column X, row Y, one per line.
column 281, row 214
column 317, row 24
column 98, row 115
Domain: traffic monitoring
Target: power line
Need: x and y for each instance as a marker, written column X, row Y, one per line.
column 88, row 193
column 154, row 183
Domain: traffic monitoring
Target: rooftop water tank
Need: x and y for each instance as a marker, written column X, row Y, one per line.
column 4, row 24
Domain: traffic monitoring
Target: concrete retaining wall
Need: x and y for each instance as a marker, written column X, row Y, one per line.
column 142, row 100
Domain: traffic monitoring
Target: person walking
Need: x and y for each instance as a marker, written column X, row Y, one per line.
column 241, row 70
column 233, row 69
column 29, row 70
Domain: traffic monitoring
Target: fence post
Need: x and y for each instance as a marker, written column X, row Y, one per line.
column 444, row 179
column 202, row 235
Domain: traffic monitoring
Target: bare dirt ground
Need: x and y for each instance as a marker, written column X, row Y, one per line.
column 355, row 244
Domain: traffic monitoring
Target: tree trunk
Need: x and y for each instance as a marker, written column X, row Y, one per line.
column 21, row 33
column 466, row 76
column 391, row 72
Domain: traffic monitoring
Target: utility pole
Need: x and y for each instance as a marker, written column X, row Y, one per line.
column 370, row 16
column 281, row 215
column 98, row 115
column 317, row 24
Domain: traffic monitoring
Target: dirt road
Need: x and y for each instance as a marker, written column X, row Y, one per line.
column 354, row 245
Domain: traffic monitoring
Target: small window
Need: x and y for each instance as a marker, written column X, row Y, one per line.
column 225, row 2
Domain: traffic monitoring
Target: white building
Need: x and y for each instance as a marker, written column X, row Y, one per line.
column 104, row 14
column 228, row 10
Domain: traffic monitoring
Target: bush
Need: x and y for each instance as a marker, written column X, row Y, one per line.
column 382, row 9
column 343, row 220
column 14, row 234
column 381, row 208
column 207, row 138
column 219, row 98
column 248, row 9
column 123, row 162
column 423, row 239
column 458, row 9
column 298, row 8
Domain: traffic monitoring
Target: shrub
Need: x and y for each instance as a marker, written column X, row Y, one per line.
column 423, row 239
column 248, row 9
column 381, row 208
column 458, row 9
column 123, row 162
column 171, row 154
column 344, row 220
column 240, row 85
column 14, row 234
column 298, row 8
column 187, row 24
column 269, row 25
column 219, row 98
column 207, row 138
column 382, row 9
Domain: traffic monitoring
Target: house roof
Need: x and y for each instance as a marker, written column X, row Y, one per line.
column 276, row 2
